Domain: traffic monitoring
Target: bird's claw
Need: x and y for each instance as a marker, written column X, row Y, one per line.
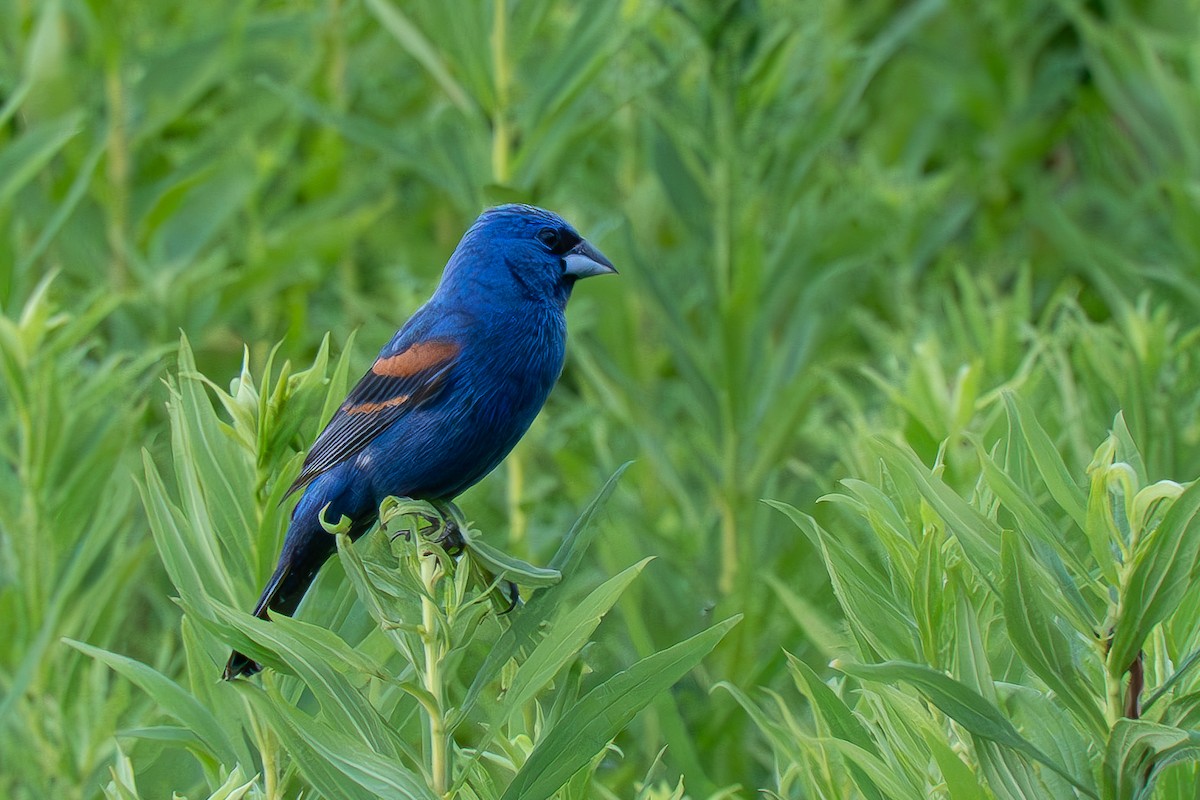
column 451, row 539
column 448, row 534
column 513, row 594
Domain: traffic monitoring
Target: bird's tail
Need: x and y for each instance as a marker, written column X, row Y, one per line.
column 305, row 548
column 283, row 593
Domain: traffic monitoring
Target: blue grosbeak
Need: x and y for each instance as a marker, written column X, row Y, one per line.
column 448, row 397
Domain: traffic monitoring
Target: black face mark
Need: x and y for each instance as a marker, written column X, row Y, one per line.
column 557, row 241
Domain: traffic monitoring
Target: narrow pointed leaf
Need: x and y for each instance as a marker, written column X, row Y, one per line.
column 962, row 704
column 603, row 712
column 170, row 696
column 527, row 619
column 1045, row 455
column 1040, row 642
column 1162, row 571
column 337, row 764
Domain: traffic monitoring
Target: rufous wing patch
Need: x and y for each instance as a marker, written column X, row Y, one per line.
column 416, row 358
column 370, row 408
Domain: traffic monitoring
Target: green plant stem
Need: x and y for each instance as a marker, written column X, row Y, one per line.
column 502, row 77
column 517, row 522
column 1115, row 673
column 438, row 743
column 118, row 174
column 1114, row 706
column 266, row 752
column 724, row 124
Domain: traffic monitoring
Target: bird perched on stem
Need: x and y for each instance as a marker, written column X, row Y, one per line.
column 448, row 397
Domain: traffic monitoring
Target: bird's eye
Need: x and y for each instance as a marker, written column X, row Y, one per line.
column 558, row 241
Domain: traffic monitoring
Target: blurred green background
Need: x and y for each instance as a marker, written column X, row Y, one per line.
column 832, row 220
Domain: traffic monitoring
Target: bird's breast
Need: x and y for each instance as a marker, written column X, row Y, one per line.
column 519, row 361
column 504, row 374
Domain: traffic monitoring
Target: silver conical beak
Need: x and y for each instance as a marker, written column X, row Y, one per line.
column 584, row 261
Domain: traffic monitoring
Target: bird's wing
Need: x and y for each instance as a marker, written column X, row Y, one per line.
column 401, row 379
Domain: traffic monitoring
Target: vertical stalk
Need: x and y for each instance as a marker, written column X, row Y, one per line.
column 117, row 172
column 1114, row 674
column 502, row 80
column 338, row 94
column 26, row 550
column 723, row 187
column 729, row 546
column 1113, row 705
column 266, row 751
column 724, row 131
column 439, row 765
column 517, row 522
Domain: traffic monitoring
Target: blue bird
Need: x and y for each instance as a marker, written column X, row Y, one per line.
column 448, row 397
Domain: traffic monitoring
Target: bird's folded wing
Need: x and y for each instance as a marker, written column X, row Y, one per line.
column 394, row 386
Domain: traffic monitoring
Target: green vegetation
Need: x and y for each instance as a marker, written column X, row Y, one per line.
column 932, row 263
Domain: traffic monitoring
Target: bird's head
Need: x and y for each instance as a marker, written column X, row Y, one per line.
column 522, row 252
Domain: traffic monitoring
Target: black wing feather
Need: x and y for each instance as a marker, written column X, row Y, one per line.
column 349, row 432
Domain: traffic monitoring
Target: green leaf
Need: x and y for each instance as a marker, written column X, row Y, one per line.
column 872, row 775
column 961, row 782
column 1162, row 570
column 976, row 533
column 78, row 190
column 527, row 619
column 1039, row 641
column 970, row 656
column 235, row 787
column 1051, row 545
column 1009, row 775
column 337, row 764
column 212, row 472
column 1103, row 536
column 1045, row 455
column 1127, row 449
column 876, row 614
column 962, row 704
column 574, row 545
column 1133, row 748
column 675, row 167
column 176, row 75
column 1044, row 720
column 166, row 525
column 505, row 566
column 170, row 697
column 567, row 636
column 781, row 736
column 1183, row 667
column 818, row 625
column 201, row 211
column 836, row 718
column 830, row 709
column 310, row 652
column 603, row 712
column 929, row 594
column 24, row 158
column 422, row 50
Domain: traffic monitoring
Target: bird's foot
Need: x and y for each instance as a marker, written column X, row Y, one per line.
column 451, row 538
column 512, row 593
column 442, row 531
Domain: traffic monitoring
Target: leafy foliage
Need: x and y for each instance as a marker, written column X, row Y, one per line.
column 352, row 685
column 850, row 235
column 1028, row 622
